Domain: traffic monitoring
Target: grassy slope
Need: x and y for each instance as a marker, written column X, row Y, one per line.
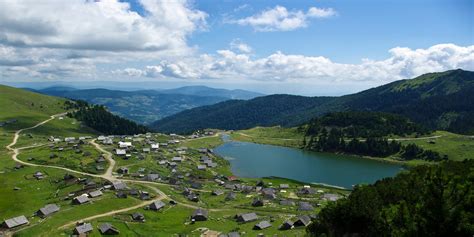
column 279, row 136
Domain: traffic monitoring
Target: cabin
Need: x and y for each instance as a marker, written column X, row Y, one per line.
column 286, row 225
column 144, row 195
column 118, row 185
column 306, row 191
column 152, row 177
column 285, row 202
column 305, row 206
column 108, row 229
column 192, row 197
column 156, row 206
column 247, row 217
column 200, row 215
column 146, row 150
column 217, row 192
column 257, row 203
column 177, row 159
column 47, row 210
column 122, row 170
column 38, row 175
column 303, row 221
column 125, row 144
column 95, row 194
column 284, row 186
column 15, row 222
column 262, row 225
column 331, row 197
column 121, row 194
column 81, row 199
column 269, row 193
column 155, row 146
column 138, row 217
column 230, row 196
column 83, row 229
column 120, row 152
column 201, row 167
column 101, row 159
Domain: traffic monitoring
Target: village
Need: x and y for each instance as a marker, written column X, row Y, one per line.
column 159, row 172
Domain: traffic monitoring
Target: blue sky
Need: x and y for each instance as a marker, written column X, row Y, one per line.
column 309, row 47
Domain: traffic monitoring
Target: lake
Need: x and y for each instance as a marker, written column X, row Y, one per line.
column 257, row 160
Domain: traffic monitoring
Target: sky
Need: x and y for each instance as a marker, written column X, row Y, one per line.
column 313, row 47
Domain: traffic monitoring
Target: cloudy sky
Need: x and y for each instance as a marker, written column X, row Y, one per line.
column 313, row 47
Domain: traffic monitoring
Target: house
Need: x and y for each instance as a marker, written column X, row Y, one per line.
column 200, row 215
column 81, row 199
column 305, row 206
column 95, row 194
column 101, row 138
column 38, row 175
column 152, row 177
column 83, row 229
column 177, row 159
column 303, row 221
column 146, row 150
column 144, row 195
column 284, row 186
column 230, row 196
column 125, row 144
column 122, row 170
column 157, row 205
column 286, row 225
column 120, row 152
column 15, row 222
column 108, row 229
column 217, row 192
column 47, row 210
column 155, row 146
column 68, row 177
column 121, row 194
column 118, row 185
column 230, row 234
column 108, row 141
column 269, row 193
column 101, row 159
column 192, row 197
column 262, row 225
column 307, row 191
column 69, row 139
column 138, row 217
column 331, row 197
column 257, row 203
column 247, row 217
column 201, row 167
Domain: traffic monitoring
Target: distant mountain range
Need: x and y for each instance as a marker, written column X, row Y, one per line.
column 145, row 106
column 437, row 100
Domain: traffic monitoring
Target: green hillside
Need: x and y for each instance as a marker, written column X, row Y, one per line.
column 436, row 100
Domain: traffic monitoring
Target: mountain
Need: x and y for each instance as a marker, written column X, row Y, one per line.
column 208, row 91
column 145, row 106
column 442, row 100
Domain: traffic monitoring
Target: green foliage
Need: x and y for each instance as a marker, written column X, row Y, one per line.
column 98, row 118
column 426, row 201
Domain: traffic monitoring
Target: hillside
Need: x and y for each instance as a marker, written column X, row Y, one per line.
column 145, row 106
column 436, row 100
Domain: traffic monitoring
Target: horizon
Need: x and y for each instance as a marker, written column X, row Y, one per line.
column 312, row 48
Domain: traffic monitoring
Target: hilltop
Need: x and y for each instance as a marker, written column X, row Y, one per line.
column 436, row 100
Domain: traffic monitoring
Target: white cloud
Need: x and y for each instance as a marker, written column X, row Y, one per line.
column 242, row 47
column 281, row 19
column 280, row 67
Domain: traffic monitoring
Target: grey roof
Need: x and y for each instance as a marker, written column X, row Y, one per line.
column 248, row 217
column 48, row 209
column 96, row 193
column 200, row 212
column 152, row 177
column 285, row 202
column 119, row 185
column 81, row 199
column 106, row 227
column 230, row 196
column 284, row 185
column 305, row 206
column 331, row 196
column 138, row 216
column 217, row 192
column 157, row 205
column 16, row 221
column 231, row 234
column 84, row 228
column 303, row 221
column 263, row 225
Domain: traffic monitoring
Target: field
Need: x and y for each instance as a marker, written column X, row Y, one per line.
column 279, row 136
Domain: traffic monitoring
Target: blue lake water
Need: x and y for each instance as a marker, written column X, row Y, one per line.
column 257, row 160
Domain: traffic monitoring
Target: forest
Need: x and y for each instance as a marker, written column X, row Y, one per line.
column 101, row 120
column 434, row 200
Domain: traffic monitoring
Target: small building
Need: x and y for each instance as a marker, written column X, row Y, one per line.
column 155, row 146
column 108, row 229
column 47, row 210
column 200, row 215
column 247, row 217
column 257, row 203
column 120, row 152
column 146, row 150
column 138, row 217
column 269, row 193
column 285, row 202
column 122, row 170
column 83, row 229
column 118, row 185
column 305, row 206
column 96, row 193
column 152, row 177
column 81, row 199
column 217, row 192
column 38, row 175
column 262, row 225
column 201, row 167
column 15, row 222
column 331, row 197
column 286, row 225
column 307, row 191
column 230, row 196
column 157, row 205
column 121, row 194
column 177, row 159
column 303, row 221
column 284, row 186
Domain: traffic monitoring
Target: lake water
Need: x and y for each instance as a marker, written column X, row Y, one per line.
column 256, row 160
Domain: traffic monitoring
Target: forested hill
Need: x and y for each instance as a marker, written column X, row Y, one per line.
column 436, row 100
column 240, row 114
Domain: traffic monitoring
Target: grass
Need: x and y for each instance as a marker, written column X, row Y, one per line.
column 289, row 137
